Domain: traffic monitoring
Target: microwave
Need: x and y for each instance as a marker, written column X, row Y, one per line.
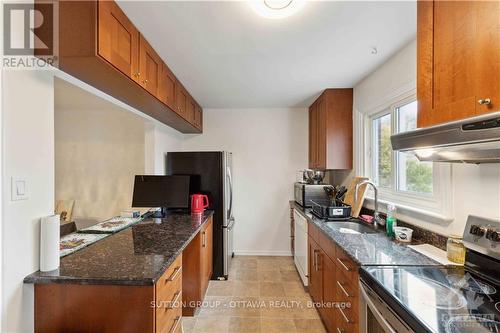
column 305, row 193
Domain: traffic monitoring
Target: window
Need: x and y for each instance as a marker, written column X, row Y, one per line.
column 420, row 190
column 401, row 172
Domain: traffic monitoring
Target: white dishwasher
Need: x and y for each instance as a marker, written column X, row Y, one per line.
column 300, row 243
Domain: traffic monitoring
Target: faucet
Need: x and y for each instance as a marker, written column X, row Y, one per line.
column 377, row 220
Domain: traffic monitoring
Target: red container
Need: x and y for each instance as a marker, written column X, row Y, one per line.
column 198, row 203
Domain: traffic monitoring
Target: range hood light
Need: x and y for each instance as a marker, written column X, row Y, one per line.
column 424, row 153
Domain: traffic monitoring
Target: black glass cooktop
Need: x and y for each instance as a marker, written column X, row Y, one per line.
column 441, row 300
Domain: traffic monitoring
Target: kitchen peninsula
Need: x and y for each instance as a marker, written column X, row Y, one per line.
column 132, row 281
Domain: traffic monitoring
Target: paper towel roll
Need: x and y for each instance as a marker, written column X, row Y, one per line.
column 49, row 243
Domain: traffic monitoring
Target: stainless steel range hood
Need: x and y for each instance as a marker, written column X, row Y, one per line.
column 474, row 140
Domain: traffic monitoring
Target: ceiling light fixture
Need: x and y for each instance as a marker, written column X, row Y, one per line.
column 276, row 9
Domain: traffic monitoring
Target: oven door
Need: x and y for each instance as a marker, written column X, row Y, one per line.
column 376, row 316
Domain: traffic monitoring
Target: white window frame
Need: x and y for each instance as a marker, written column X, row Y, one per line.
column 415, row 207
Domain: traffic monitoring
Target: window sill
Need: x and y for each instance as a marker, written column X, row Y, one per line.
column 409, row 213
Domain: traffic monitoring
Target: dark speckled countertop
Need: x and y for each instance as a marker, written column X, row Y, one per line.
column 369, row 249
column 138, row 255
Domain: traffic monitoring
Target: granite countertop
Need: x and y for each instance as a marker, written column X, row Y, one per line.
column 138, row 255
column 369, row 249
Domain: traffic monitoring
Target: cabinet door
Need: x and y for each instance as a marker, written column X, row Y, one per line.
column 150, row 66
column 313, row 136
column 209, row 253
column 315, row 273
column 487, row 50
column 198, row 117
column 321, row 134
column 118, row 39
column 182, row 99
column 329, row 294
column 206, row 257
column 458, row 60
column 166, row 91
column 190, row 110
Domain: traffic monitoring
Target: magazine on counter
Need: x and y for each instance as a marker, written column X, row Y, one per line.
column 111, row 226
column 76, row 241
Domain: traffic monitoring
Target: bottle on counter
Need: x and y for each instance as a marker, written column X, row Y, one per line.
column 455, row 249
column 391, row 220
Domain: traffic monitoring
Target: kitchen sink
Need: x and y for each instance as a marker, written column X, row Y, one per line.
column 351, row 227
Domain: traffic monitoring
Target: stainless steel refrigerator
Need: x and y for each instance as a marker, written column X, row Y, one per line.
column 211, row 173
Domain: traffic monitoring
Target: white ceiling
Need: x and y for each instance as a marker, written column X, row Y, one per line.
column 229, row 57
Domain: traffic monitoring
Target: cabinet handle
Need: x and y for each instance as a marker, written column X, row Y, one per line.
column 343, row 265
column 486, row 101
column 316, row 260
column 174, row 274
column 177, row 320
column 343, row 315
column 145, row 81
column 343, row 289
column 203, row 241
column 174, row 300
column 138, row 73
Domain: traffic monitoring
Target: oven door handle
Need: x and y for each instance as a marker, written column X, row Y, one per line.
column 380, row 318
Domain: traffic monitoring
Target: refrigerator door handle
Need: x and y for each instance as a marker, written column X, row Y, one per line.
column 230, row 211
column 231, row 223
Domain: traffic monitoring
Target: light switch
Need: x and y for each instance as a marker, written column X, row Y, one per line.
column 19, row 189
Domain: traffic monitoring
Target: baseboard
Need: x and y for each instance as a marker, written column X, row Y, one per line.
column 264, row 253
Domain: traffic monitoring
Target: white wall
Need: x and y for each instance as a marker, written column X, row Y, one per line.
column 27, row 151
column 268, row 146
column 475, row 189
column 160, row 139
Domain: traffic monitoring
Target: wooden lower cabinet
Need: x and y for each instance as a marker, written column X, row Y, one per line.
column 169, row 299
column 111, row 308
column 197, row 266
column 333, row 283
column 315, row 273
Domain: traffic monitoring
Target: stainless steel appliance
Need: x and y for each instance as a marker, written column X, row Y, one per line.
column 211, row 174
column 473, row 140
column 304, row 193
column 438, row 299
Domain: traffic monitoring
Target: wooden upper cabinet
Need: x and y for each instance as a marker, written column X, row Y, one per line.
column 313, row 136
column 101, row 47
column 458, row 60
column 150, row 67
column 181, row 97
column 190, row 110
column 330, row 130
column 118, row 39
column 198, row 117
column 166, row 92
column 321, row 133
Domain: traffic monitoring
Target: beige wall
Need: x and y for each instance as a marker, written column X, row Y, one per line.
column 269, row 146
column 99, row 148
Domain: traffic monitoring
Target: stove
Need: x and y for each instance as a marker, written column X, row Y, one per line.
column 443, row 299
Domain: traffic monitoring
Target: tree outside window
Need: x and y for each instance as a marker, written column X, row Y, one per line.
column 399, row 171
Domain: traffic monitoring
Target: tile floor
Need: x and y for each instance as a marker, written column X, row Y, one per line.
column 263, row 294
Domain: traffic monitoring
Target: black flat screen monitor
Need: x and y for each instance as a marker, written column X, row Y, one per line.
column 167, row 192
